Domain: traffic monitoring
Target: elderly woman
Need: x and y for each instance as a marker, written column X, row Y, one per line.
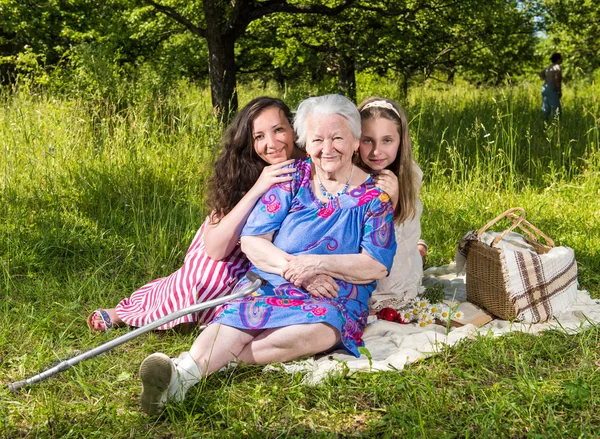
column 330, row 227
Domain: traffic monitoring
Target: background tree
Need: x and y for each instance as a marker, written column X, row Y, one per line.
column 483, row 41
column 224, row 23
column 31, row 33
column 415, row 40
column 572, row 27
column 107, row 45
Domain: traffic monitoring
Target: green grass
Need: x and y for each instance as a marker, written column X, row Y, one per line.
column 97, row 199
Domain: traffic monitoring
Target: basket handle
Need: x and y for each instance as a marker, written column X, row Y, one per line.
column 533, row 233
column 510, row 213
column 520, row 222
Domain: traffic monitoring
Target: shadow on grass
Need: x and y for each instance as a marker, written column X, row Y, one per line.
column 100, row 220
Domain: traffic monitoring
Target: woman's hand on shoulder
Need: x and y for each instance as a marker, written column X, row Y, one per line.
column 387, row 181
column 273, row 174
column 322, row 286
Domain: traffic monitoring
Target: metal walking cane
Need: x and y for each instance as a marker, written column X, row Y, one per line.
column 256, row 280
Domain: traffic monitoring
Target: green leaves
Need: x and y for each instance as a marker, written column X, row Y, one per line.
column 573, row 28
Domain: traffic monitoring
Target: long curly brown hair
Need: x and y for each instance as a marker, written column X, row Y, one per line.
column 238, row 166
column 403, row 165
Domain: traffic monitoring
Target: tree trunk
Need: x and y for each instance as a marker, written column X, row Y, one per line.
column 279, row 78
column 221, row 54
column 222, row 76
column 404, row 83
column 347, row 77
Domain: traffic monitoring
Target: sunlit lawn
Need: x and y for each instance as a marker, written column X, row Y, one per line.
column 98, row 200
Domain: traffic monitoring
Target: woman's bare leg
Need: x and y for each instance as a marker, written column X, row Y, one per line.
column 218, row 345
column 166, row 379
column 288, row 343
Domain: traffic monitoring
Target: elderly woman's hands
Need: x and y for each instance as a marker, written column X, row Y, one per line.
column 323, row 286
column 301, row 269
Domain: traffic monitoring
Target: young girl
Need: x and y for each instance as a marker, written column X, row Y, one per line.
column 385, row 148
column 256, row 149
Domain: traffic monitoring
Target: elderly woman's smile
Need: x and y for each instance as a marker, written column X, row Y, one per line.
column 330, row 143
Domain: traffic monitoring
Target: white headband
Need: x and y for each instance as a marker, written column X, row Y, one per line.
column 382, row 104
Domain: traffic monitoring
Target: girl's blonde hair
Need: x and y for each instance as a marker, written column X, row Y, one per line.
column 402, row 166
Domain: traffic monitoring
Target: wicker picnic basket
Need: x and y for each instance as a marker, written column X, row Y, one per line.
column 488, row 282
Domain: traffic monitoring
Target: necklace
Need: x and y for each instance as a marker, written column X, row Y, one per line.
column 343, row 191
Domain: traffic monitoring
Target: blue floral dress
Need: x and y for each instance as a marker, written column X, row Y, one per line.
column 360, row 219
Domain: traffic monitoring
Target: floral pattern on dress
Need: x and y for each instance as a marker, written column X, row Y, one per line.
column 332, row 244
column 255, row 314
column 270, row 204
column 325, row 212
column 360, row 220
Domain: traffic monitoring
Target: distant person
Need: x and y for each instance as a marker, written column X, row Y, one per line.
column 552, row 88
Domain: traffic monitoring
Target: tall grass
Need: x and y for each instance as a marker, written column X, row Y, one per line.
column 81, row 182
column 486, row 150
column 98, row 198
column 499, row 136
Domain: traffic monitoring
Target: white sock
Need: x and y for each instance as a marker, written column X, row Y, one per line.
column 188, row 374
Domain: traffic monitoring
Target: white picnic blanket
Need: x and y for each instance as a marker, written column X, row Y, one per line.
column 391, row 346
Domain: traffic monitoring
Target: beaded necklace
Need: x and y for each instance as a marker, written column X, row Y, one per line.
column 343, row 191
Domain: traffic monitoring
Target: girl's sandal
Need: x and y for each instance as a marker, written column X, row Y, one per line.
column 100, row 321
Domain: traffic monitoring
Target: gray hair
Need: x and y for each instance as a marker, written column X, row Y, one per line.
column 326, row 105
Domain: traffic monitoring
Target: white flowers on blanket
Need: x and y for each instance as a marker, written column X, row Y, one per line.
column 424, row 313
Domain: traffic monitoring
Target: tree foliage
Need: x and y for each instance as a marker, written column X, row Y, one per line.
column 573, row 28
column 101, row 45
column 412, row 40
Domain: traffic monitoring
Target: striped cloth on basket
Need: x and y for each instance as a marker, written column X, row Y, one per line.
column 539, row 286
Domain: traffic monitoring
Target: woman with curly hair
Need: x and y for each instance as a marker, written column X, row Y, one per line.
column 329, row 225
column 256, row 150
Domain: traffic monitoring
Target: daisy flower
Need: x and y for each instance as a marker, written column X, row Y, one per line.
column 444, row 314
column 420, row 302
column 423, row 303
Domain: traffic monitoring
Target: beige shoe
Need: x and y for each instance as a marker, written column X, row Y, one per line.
column 157, row 372
column 166, row 379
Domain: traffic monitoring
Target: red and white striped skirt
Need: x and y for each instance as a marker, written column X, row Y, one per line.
column 199, row 279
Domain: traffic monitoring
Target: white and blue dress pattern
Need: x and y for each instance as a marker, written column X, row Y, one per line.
column 358, row 220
